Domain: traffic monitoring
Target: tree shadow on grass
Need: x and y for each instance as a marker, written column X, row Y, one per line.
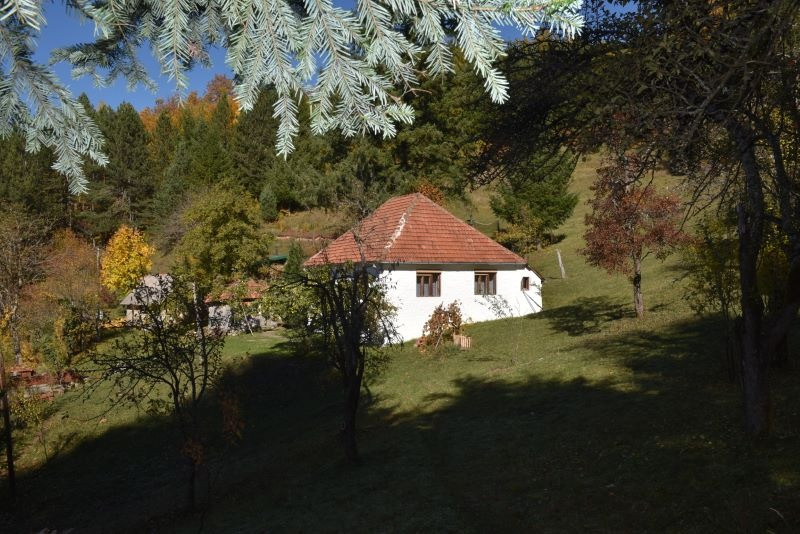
column 655, row 448
column 541, row 455
column 587, row 315
column 132, row 477
column 694, row 347
column 659, row 450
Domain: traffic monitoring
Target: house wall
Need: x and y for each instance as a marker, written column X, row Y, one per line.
column 220, row 316
column 131, row 315
column 458, row 283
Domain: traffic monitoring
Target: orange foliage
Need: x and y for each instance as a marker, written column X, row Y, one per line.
column 219, row 87
column 430, row 190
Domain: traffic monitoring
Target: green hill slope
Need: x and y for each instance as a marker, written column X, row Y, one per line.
column 580, row 418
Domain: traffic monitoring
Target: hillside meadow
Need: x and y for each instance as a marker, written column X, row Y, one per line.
column 579, row 418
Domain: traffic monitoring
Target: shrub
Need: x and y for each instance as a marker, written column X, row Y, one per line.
column 442, row 324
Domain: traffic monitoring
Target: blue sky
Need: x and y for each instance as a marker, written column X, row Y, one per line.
column 65, row 29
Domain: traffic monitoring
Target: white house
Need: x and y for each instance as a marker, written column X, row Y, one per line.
column 427, row 256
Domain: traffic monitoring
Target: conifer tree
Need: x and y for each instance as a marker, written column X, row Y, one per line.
column 210, row 154
column 121, row 191
column 163, row 142
column 129, row 168
column 352, row 66
column 28, row 180
column 251, row 152
column 536, row 200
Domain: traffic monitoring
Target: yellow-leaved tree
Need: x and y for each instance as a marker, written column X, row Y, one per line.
column 127, row 258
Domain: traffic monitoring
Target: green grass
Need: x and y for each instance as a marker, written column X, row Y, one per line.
column 580, row 418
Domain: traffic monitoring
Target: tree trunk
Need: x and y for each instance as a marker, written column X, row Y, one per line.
column 756, row 388
column 352, row 396
column 6, row 409
column 192, row 496
column 16, row 344
column 750, row 229
column 754, row 362
column 638, row 298
column 733, row 336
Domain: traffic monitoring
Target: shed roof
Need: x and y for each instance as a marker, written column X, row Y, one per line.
column 148, row 290
column 414, row 229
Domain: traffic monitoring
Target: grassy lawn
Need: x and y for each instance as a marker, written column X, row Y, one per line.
column 580, row 418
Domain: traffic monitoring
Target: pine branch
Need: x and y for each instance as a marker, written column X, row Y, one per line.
column 352, row 67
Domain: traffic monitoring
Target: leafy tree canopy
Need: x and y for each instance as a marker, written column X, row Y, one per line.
column 224, row 235
column 127, row 258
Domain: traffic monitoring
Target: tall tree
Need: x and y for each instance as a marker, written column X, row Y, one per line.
column 23, row 245
column 224, row 235
column 537, row 201
column 28, row 180
column 121, row 191
column 251, row 150
column 130, row 167
column 210, row 152
column 23, row 242
column 630, row 220
column 163, row 142
column 716, row 93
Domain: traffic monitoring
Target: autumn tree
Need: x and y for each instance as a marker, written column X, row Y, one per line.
column 630, row 220
column 23, row 248
column 127, row 258
column 72, row 293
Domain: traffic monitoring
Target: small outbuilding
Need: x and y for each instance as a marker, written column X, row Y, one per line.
column 149, row 290
column 427, row 257
column 237, row 307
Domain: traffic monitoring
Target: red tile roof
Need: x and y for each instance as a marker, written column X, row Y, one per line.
column 251, row 290
column 414, row 229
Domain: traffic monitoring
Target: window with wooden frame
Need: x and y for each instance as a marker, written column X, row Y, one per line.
column 429, row 284
column 485, row 283
column 526, row 283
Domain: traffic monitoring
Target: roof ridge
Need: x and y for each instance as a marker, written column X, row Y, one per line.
column 401, row 222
